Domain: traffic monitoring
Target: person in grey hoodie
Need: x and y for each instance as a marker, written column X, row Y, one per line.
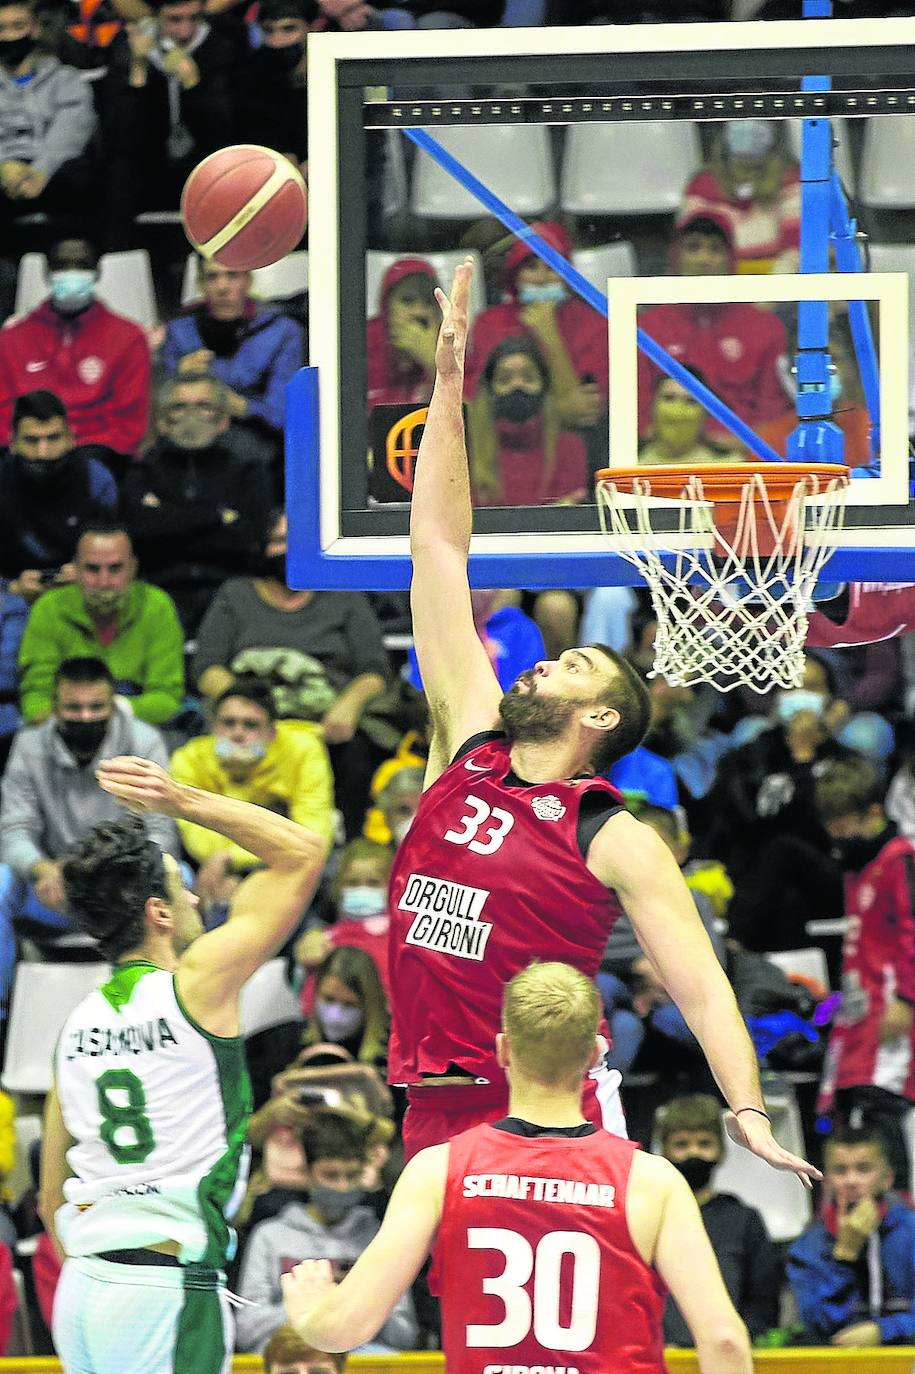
column 333, row 1225
column 46, row 122
column 50, row 798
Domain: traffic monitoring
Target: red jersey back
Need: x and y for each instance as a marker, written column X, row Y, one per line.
column 534, row 1263
column 878, row 965
column 488, row 877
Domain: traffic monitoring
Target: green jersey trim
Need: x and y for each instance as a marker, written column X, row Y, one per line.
column 118, row 991
column 217, row 1186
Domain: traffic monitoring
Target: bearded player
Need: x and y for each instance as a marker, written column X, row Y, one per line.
column 519, row 849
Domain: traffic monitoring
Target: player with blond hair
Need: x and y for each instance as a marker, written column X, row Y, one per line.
column 553, row 1240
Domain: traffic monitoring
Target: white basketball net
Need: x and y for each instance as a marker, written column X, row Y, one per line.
column 727, row 612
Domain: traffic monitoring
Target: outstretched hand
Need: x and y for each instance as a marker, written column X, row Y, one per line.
column 304, row 1287
column 452, row 336
column 754, row 1133
column 140, row 785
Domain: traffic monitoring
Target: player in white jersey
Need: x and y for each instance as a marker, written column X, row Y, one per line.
column 143, row 1150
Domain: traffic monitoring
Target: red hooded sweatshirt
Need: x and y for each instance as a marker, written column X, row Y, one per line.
column 97, row 362
column 736, row 347
column 394, row 378
column 582, row 329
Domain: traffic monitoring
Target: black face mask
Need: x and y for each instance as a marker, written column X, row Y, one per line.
column 15, row 50
column 285, row 59
column 517, row 406
column 270, row 565
column 82, row 737
column 696, row 1170
column 40, row 471
column 221, row 337
column 854, row 854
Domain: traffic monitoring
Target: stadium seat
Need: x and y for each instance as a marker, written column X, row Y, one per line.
column 43, row 997
column 267, row 1000
column 125, row 284
column 515, row 161
column 28, row 1130
column 841, row 153
column 886, row 164
column 810, row 963
column 606, row 260
column 281, row 279
column 628, row 169
column 377, row 262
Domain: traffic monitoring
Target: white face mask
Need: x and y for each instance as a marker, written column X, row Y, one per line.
column 72, row 288
column 790, row 703
column 362, row 902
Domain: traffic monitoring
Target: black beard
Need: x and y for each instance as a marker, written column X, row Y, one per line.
column 532, row 719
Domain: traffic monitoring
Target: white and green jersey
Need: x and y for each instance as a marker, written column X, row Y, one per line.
column 158, row 1108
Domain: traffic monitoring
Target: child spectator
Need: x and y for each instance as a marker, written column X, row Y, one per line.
column 738, row 348
column 692, row 1138
column 359, row 893
column 852, row 1272
column 400, row 339
column 869, row 1073
column 287, row 1353
column 94, row 360
column 752, row 182
column 333, row 1225
column 106, row 613
column 518, row 455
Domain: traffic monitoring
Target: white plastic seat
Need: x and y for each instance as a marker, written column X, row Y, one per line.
column 841, row 152
column 28, row 1130
column 606, row 260
column 125, row 284
column 377, row 262
column 395, row 189
column 811, row 963
column 43, row 997
column 886, row 181
column 281, row 279
column 628, row 169
column 267, row 1000
column 515, row 161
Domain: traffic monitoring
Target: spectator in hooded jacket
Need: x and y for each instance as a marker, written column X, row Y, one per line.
column 97, row 362
column 46, row 122
column 48, row 491
column 738, row 347
column 571, row 335
column 252, row 348
column 400, row 339
column 273, row 99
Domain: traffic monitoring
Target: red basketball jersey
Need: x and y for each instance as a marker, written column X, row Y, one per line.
column 489, row 876
column 876, row 611
column 534, row 1263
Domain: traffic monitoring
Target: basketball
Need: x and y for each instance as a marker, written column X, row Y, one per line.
column 244, row 206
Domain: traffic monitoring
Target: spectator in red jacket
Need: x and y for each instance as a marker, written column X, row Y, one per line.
column 738, row 348
column 571, row 335
column 400, row 339
column 97, row 362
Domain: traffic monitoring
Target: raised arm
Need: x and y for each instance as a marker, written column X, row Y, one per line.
column 631, row 859
column 267, row 906
column 461, row 687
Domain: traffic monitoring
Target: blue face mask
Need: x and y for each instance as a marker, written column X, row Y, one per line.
column 72, row 289
column 552, row 291
column 362, row 902
column 227, row 751
column 790, row 703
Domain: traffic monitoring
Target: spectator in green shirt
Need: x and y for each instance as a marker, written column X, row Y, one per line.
column 106, row 613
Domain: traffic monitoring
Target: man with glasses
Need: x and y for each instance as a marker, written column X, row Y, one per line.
column 197, row 511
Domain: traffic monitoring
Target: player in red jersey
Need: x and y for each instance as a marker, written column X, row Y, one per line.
column 553, row 1242
column 518, row 849
column 862, row 613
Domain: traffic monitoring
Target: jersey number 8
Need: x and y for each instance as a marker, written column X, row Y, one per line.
column 120, row 1118
column 540, row 1312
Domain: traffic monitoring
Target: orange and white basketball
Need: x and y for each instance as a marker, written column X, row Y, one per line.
column 245, row 206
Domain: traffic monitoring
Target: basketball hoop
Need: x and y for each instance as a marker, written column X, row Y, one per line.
column 731, row 555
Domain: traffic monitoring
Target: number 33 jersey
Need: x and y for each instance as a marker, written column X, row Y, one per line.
column 158, row 1110
column 489, row 876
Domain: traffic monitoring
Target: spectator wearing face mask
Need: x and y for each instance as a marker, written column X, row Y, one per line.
column 50, row 798
column 350, row 1008
column 396, row 803
column 359, row 893
column 333, row 1224
column 49, row 490
column 106, row 612
column 571, row 336
column 678, row 431
column 752, row 182
column 519, row 457
column 273, row 99
column 94, row 360
column 400, row 339
column 250, row 756
column 692, row 1138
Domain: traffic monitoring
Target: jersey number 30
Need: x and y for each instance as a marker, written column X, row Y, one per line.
column 540, row 1312
column 500, row 822
column 126, row 1128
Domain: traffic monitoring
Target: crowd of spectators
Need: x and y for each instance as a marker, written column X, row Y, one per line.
column 144, row 610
